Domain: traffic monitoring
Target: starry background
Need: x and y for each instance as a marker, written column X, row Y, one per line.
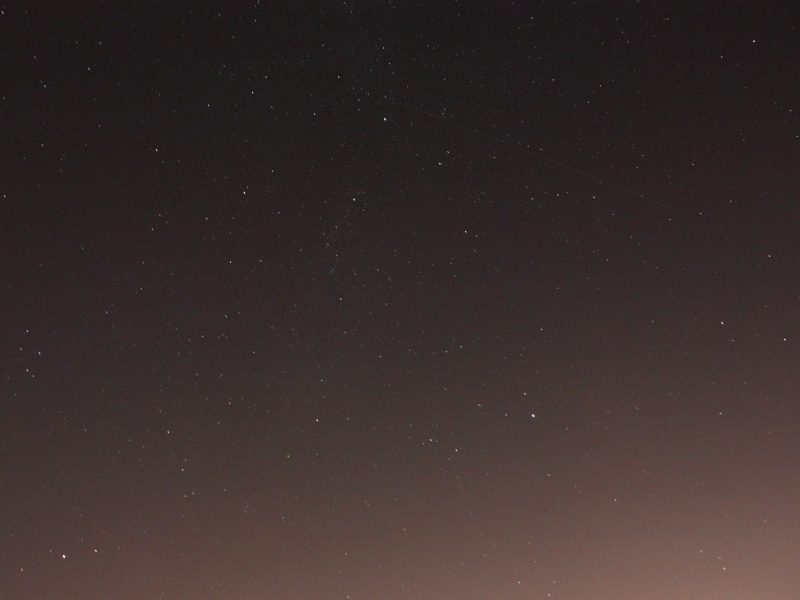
column 367, row 300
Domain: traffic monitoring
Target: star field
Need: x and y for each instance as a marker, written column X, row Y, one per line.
column 379, row 301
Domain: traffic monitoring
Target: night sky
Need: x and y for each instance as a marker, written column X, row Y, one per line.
column 364, row 300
